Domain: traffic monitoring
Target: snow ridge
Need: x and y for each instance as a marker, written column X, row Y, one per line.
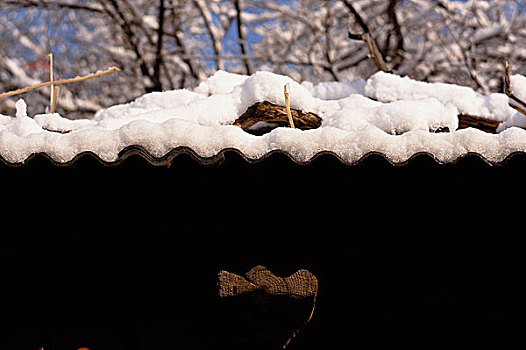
column 387, row 114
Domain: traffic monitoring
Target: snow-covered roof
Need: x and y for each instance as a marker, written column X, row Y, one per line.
column 387, row 114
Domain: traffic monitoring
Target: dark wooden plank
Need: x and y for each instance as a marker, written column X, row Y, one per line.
column 473, row 121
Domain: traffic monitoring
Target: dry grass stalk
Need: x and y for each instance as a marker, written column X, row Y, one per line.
column 56, row 91
column 58, row 82
column 287, row 105
column 51, row 78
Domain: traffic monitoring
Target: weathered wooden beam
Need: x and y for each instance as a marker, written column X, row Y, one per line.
column 262, row 117
column 473, row 121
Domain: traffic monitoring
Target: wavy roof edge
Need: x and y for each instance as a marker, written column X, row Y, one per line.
column 168, row 158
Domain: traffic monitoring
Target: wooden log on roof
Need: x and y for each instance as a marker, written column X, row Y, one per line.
column 473, row 121
column 262, row 117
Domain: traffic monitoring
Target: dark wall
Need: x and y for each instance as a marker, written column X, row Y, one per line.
column 126, row 257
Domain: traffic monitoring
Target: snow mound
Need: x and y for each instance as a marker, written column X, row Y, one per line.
column 387, row 114
column 389, row 87
column 220, row 83
column 22, row 125
column 396, row 117
column 334, row 90
column 518, row 86
column 55, row 122
column 267, row 86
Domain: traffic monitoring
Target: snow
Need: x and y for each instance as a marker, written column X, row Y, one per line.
column 387, row 87
column 260, row 125
column 486, row 33
column 334, row 90
column 55, row 122
column 518, row 86
column 388, row 114
column 220, row 83
column 22, row 125
column 396, row 117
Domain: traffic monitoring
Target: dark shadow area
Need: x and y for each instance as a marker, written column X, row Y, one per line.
column 420, row 256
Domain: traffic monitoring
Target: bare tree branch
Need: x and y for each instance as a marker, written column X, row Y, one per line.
column 216, row 41
column 398, row 58
column 372, row 46
column 331, row 69
column 54, row 5
column 139, row 22
column 242, row 43
column 182, row 48
column 125, row 25
column 359, row 19
column 159, row 59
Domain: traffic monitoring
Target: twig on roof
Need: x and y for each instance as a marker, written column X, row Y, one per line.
column 58, row 82
column 287, row 105
column 51, row 78
column 56, row 91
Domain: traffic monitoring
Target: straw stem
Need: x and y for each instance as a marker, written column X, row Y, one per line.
column 52, row 94
column 56, row 90
column 287, row 105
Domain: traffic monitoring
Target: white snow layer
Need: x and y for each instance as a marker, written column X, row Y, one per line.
column 518, row 86
column 387, row 114
column 387, row 87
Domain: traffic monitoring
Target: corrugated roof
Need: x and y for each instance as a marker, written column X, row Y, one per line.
column 170, row 157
